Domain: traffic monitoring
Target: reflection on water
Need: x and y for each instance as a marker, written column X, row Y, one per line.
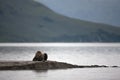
column 63, row 74
column 40, row 71
column 81, row 54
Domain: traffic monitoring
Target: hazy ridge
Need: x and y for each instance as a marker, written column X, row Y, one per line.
column 30, row 21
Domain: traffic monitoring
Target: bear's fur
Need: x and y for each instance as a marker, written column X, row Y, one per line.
column 45, row 56
column 40, row 57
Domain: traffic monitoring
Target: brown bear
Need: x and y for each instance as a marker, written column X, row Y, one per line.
column 45, row 56
column 38, row 56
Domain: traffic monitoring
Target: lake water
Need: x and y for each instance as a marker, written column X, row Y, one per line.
column 63, row 74
column 78, row 53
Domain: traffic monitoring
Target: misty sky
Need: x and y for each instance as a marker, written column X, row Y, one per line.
column 102, row 11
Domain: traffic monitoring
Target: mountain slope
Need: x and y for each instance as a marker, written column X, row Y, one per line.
column 30, row 21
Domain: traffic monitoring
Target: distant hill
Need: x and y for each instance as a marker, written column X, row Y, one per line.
column 30, row 21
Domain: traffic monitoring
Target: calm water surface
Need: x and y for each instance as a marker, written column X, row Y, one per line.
column 68, row 74
column 81, row 54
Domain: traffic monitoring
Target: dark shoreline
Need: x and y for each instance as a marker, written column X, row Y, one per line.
column 39, row 65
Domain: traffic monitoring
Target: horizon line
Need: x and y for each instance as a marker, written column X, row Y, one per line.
column 59, row 44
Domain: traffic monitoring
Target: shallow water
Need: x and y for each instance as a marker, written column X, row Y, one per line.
column 80, row 54
column 63, row 74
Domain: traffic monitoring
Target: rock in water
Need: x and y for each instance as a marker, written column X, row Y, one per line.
column 40, row 65
column 34, row 65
